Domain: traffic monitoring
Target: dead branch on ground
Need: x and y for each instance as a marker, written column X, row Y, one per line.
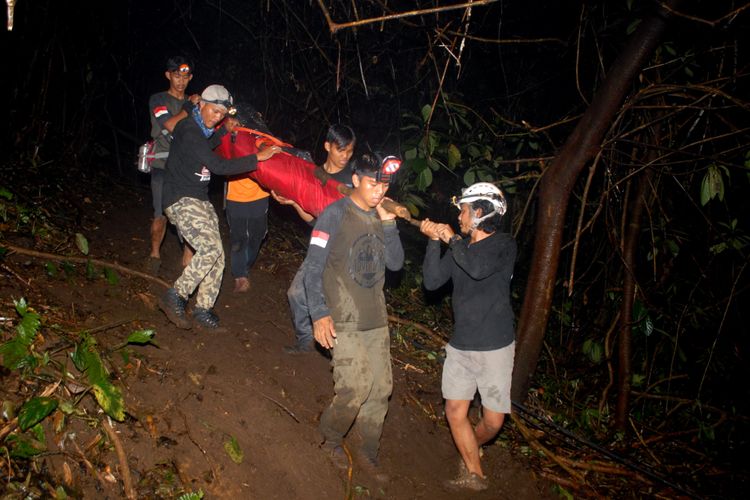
column 122, row 458
column 86, row 260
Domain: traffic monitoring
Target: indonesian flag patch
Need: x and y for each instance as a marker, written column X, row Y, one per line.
column 319, row 238
column 160, row 111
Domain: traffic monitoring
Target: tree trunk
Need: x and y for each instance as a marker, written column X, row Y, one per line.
column 556, row 187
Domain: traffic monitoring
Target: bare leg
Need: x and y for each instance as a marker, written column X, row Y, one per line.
column 158, row 230
column 457, row 412
column 468, row 439
column 187, row 254
column 489, row 426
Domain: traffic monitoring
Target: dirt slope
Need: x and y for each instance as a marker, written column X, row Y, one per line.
column 197, row 391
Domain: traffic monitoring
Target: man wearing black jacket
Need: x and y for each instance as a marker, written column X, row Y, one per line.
column 189, row 167
column 480, row 353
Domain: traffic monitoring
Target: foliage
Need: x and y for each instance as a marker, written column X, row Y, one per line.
column 26, row 354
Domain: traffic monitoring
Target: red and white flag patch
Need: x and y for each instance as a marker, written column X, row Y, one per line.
column 160, row 111
column 319, row 238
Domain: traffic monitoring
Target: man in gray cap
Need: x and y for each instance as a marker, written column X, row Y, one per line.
column 189, row 167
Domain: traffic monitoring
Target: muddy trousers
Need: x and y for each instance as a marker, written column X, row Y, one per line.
column 248, row 223
column 298, row 305
column 199, row 225
column 362, row 385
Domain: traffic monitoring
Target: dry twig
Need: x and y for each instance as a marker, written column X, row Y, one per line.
column 86, row 260
column 122, row 458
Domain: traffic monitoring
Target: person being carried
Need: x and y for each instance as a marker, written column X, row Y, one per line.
column 480, row 353
column 189, row 167
column 339, row 145
column 247, row 215
column 165, row 110
column 354, row 240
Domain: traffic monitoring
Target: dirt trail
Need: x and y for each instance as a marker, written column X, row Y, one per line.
column 197, row 391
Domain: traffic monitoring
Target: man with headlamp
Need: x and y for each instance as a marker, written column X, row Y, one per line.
column 165, row 110
column 479, row 356
column 189, row 167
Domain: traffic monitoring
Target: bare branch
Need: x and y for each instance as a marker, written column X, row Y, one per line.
column 334, row 26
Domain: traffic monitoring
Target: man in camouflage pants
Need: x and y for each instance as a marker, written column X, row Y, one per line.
column 188, row 172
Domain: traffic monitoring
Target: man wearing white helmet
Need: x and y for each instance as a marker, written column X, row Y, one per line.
column 479, row 356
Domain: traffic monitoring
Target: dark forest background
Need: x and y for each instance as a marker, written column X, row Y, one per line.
column 645, row 328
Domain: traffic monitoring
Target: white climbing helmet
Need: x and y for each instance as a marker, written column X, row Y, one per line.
column 483, row 191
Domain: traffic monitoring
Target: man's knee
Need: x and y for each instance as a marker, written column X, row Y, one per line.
column 456, row 410
column 492, row 421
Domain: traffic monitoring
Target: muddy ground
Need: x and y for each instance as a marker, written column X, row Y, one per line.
column 193, row 393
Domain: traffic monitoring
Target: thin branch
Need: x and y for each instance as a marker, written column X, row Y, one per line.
column 86, row 260
column 127, row 481
column 334, row 26
column 713, row 23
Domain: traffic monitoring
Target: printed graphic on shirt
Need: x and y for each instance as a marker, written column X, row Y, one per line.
column 160, row 111
column 367, row 260
column 319, row 238
column 205, row 174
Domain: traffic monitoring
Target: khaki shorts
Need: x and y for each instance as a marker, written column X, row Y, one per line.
column 489, row 372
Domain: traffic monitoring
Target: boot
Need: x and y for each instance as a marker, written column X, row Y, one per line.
column 173, row 305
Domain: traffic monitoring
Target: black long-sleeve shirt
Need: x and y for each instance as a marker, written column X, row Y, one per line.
column 481, row 274
column 192, row 160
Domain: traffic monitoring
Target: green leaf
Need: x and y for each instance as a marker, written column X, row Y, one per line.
column 454, row 156
column 413, row 210
column 673, row 247
column 142, row 337
column 91, row 271
column 594, row 350
column 232, row 447
column 410, row 154
column 4, row 193
column 633, row 26
column 109, row 398
column 424, row 179
column 24, row 447
column 82, row 244
column 417, row 165
column 470, row 177
column 191, row 495
column 111, row 275
column 712, row 185
column 86, row 358
column 60, row 493
column 473, row 151
column 51, row 269
column 69, row 268
column 426, row 111
column 34, row 411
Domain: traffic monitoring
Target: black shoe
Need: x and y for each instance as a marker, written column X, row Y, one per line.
column 300, row 348
column 174, row 307
column 205, row 319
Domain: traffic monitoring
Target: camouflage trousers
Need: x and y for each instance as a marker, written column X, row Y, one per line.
column 198, row 223
column 362, row 383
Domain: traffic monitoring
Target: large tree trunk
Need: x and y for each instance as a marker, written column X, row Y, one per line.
column 556, row 187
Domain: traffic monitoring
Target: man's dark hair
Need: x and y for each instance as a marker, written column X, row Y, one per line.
column 340, row 135
column 490, row 224
column 174, row 63
column 366, row 164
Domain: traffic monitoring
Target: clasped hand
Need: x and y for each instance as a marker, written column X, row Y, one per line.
column 436, row 231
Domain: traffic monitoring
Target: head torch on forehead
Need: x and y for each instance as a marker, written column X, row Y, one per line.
column 231, row 110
